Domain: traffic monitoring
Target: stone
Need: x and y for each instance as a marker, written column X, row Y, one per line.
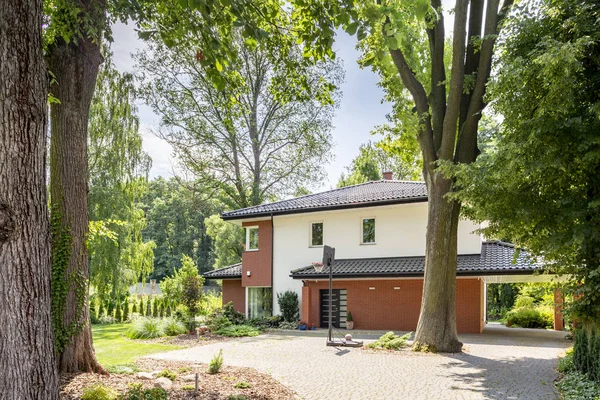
column 156, row 372
column 146, row 376
column 189, row 378
column 163, row 383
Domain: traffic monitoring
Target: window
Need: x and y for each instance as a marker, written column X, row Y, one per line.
column 260, row 302
column 316, row 234
column 252, row 238
column 368, row 230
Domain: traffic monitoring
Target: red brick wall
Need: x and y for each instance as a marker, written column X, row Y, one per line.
column 258, row 262
column 559, row 323
column 233, row 291
column 387, row 308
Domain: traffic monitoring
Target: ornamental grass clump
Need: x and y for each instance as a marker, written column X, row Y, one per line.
column 172, row 326
column 238, row 331
column 390, row 341
column 216, row 363
column 145, row 328
column 99, row 392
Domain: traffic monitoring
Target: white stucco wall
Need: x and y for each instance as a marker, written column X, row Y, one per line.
column 399, row 231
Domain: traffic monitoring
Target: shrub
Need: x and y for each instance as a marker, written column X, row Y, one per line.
column 216, row 363
column 172, row 326
column 118, row 316
column 288, row 325
column 576, row 386
column 188, row 387
column 211, row 303
column 586, row 351
column 155, row 308
column 526, row 317
column 565, row 364
column 524, row 301
column 237, row 397
column 242, row 385
column 126, row 310
column 236, row 318
column 265, row 322
column 99, row 392
column 134, row 309
column 390, row 341
column 107, row 319
column 238, row 331
column 167, row 373
column 349, row 318
column 145, row 328
column 148, row 307
column 183, row 370
column 93, row 316
column 137, row 392
column 288, row 304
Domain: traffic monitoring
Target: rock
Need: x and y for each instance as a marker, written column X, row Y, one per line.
column 189, row 378
column 156, row 372
column 163, row 383
column 144, row 376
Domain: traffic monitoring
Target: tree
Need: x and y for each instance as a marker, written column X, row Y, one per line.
column 118, row 180
column 26, row 345
column 176, row 215
column 538, row 183
column 405, row 43
column 371, row 162
column 245, row 141
column 228, row 239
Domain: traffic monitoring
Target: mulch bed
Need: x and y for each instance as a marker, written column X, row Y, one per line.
column 186, row 340
column 213, row 387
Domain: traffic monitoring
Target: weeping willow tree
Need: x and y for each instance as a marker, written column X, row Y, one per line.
column 118, row 179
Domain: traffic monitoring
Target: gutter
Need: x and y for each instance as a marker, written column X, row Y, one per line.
column 272, row 266
column 414, row 274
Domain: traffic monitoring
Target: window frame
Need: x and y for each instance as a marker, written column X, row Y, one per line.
column 248, row 229
column 362, row 231
column 310, row 234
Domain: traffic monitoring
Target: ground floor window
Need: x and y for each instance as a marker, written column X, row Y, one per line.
column 260, row 302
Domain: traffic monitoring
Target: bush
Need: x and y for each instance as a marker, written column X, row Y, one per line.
column 137, row 392
column 211, row 303
column 107, row 319
column 242, row 385
column 565, row 364
column 224, row 317
column 265, row 322
column 576, row 386
column 586, row 351
column 288, row 304
column 99, row 392
column 172, row 326
column 167, row 373
column 145, row 328
column 216, row 363
column 188, row 387
column 238, row 331
column 236, row 318
column 390, row 341
column 527, row 317
column 237, row 397
column 524, row 301
column 288, row 325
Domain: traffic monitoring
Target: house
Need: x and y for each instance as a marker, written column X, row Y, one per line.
column 378, row 230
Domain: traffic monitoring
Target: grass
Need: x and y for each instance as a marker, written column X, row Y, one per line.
column 113, row 349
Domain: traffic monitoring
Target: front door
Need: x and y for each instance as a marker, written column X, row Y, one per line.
column 339, row 303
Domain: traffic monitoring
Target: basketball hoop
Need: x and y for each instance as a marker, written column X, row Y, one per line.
column 318, row 267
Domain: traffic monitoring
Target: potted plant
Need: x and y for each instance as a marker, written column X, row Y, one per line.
column 312, row 327
column 349, row 321
column 302, row 326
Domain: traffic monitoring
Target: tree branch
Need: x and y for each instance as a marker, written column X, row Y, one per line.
column 438, row 75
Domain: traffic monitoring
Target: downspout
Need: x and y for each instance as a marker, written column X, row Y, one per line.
column 272, row 266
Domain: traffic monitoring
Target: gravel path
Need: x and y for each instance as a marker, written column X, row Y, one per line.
column 500, row 364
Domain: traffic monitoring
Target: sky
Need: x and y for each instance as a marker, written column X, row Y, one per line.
column 360, row 109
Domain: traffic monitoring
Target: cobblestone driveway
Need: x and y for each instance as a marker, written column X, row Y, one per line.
column 498, row 365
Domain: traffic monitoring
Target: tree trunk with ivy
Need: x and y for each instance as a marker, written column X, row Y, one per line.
column 26, row 345
column 75, row 67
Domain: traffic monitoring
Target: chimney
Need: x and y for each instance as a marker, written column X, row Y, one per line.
column 387, row 176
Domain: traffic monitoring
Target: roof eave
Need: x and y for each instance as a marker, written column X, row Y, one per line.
column 413, row 274
column 420, row 199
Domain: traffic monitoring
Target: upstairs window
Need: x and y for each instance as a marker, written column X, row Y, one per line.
column 316, row 234
column 252, row 238
column 368, row 230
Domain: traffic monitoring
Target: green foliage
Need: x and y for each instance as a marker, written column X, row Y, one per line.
column 172, row 327
column 176, row 223
column 216, row 363
column 586, row 351
column 242, row 385
column 289, row 305
column 565, row 364
column 349, row 317
column 390, row 341
column 118, row 315
column 537, row 182
column 288, row 325
column 576, row 386
column 224, row 317
column 137, row 392
column 237, row 397
column 530, row 317
column 228, row 240
column 126, row 310
column 238, row 331
column 211, row 302
column 174, row 287
column 192, row 294
column 155, row 308
column 145, row 328
column 99, row 392
column 166, row 373
column 500, row 298
column 216, row 323
column 118, row 169
column 524, row 301
column 374, row 159
column 188, row 387
column 264, row 323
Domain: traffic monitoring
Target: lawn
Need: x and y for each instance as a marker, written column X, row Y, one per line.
column 113, row 348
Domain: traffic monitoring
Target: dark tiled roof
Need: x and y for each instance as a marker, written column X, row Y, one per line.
column 231, row 272
column 496, row 259
column 363, row 195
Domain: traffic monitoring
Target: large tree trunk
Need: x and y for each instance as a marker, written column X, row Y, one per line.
column 75, row 67
column 26, row 345
column 436, row 330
